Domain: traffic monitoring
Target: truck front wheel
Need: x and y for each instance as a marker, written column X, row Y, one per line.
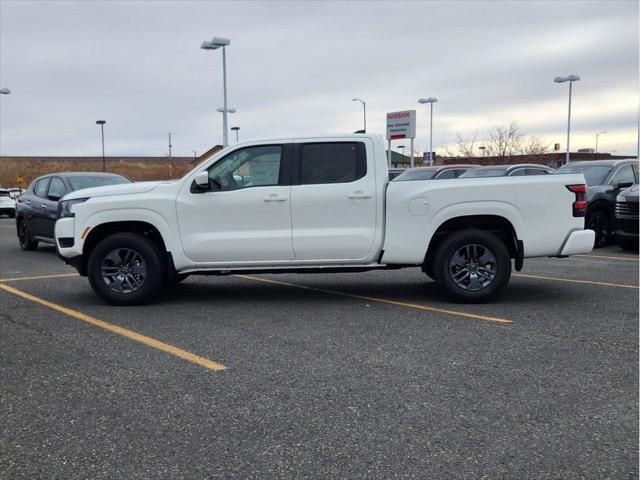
column 126, row 269
column 472, row 265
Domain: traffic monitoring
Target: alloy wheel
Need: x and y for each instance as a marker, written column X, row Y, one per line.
column 124, row 270
column 473, row 267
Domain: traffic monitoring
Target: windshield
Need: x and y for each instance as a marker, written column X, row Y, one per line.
column 415, row 175
column 78, row 183
column 593, row 174
column 484, row 172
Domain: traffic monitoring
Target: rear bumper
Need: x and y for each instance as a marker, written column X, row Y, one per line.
column 580, row 241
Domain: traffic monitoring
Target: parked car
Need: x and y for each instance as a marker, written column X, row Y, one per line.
column 626, row 215
column 7, row 204
column 605, row 179
column 320, row 204
column 508, row 170
column 442, row 172
column 14, row 192
column 394, row 172
column 37, row 207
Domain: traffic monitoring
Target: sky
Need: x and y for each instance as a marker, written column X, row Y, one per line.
column 294, row 68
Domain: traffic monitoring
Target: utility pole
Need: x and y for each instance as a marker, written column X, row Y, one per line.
column 170, row 160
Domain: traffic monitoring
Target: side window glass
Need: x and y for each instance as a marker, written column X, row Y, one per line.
column 457, row 173
column 248, row 167
column 332, row 163
column 447, row 174
column 41, row 187
column 625, row 174
column 517, row 173
column 56, row 188
column 535, row 171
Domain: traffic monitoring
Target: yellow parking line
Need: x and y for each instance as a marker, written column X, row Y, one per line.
column 382, row 300
column 151, row 342
column 624, row 259
column 574, row 280
column 40, row 277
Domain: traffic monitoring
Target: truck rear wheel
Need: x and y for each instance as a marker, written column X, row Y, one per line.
column 126, row 269
column 472, row 266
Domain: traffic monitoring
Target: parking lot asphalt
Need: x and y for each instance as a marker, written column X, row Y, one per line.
column 371, row 375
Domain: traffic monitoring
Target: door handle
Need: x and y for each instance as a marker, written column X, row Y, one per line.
column 360, row 194
column 43, row 205
column 28, row 202
column 275, row 198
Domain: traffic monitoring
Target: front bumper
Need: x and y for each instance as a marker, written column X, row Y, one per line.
column 580, row 241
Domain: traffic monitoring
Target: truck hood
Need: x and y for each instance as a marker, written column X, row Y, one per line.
column 109, row 190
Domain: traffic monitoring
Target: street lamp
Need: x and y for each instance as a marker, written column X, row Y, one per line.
column 101, row 123
column 484, row 150
column 4, row 91
column 364, row 111
column 597, row 135
column 570, row 79
column 214, row 44
column 430, row 101
column 236, row 129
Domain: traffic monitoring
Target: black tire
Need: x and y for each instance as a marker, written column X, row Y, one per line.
column 24, row 236
column 472, row 266
column 628, row 244
column 126, row 269
column 599, row 222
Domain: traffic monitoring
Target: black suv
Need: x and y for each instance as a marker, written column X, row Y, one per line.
column 37, row 207
column 626, row 212
column 605, row 179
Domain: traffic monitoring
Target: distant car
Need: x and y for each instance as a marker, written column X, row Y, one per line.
column 14, row 192
column 37, row 207
column 7, row 204
column 517, row 170
column 394, row 172
column 605, row 179
column 626, row 215
column 442, row 172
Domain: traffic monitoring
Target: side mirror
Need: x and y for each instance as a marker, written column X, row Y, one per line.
column 54, row 197
column 624, row 184
column 202, row 180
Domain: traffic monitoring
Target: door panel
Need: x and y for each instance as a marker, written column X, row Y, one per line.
column 333, row 208
column 39, row 213
column 50, row 211
column 246, row 217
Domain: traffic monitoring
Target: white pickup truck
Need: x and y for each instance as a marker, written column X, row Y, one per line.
column 317, row 205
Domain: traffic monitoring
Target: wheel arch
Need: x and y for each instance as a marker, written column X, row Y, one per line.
column 104, row 230
column 498, row 225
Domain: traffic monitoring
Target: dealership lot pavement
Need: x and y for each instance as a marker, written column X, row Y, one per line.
column 369, row 375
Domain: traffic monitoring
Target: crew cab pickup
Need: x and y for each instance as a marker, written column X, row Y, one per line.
column 317, row 205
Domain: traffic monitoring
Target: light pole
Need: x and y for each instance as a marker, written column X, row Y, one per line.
column 101, row 123
column 236, row 129
column 214, row 44
column 570, row 79
column 597, row 135
column 484, row 150
column 364, row 111
column 430, row 101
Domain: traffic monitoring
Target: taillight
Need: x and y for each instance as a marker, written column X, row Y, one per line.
column 580, row 205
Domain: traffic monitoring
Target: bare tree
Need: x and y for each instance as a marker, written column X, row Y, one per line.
column 464, row 147
column 505, row 141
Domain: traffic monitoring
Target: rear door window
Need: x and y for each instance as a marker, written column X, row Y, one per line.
column 332, row 162
column 40, row 189
column 517, row 173
column 56, row 188
column 447, row 174
column 535, row 171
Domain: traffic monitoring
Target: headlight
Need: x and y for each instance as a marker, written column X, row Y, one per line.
column 64, row 207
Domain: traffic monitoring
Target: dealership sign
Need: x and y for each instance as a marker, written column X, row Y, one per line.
column 401, row 125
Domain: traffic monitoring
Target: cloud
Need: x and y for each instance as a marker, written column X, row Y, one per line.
column 295, row 66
